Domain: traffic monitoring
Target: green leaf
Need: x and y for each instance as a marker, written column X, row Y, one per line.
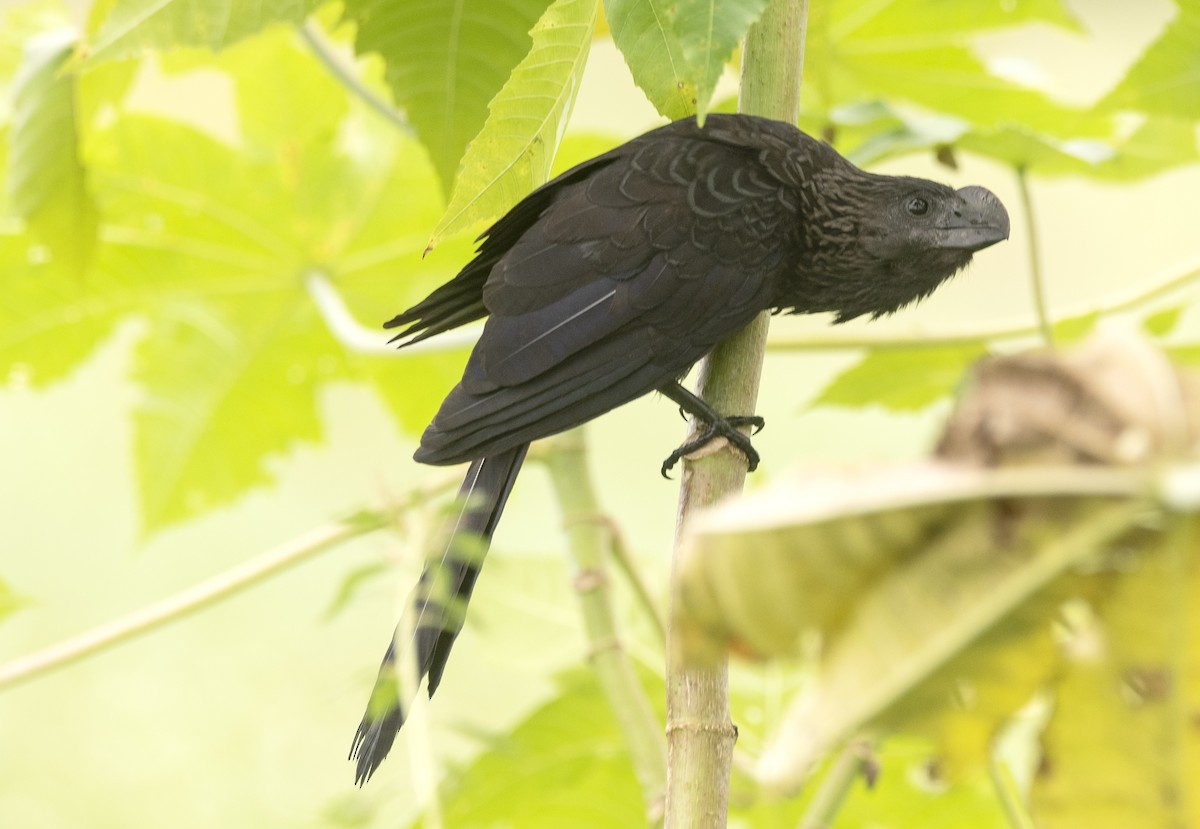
column 565, row 765
column 1156, row 145
column 872, row 131
column 1074, row 329
column 133, row 25
column 19, row 24
column 1122, row 746
column 211, row 246
column 959, row 595
column 285, row 99
column 514, row 151
column 1165, row 79
column 916, row 542
column 903, row 379
column 46, row 183
column 1161, row 323
column 11, row 601
column 917, row 51
column 351, row 584
column 1187, row 354
column 444, row 61
column 905, row 794
column 677, row 49
column 206, row 367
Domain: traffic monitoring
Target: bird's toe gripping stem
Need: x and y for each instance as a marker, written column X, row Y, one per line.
column 725, row 427
column 717, row 427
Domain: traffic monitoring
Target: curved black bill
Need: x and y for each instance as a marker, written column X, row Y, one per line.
column 980, row 221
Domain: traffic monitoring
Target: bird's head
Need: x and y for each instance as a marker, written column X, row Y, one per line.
column 888, row 241
column 911, row 221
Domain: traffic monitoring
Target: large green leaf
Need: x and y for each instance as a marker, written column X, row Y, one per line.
column 917, row 51
column 211, row 246
column 46, row 183
column 677, row 49
column 514, row 151
column 566, row 765
column 901, row 379
column 919, row 544
column 1156, row 145
column 870, row 132
column 132, row 25
column 1122, row 747
column 444, row 60
column 1166, row 80
column 19, row 24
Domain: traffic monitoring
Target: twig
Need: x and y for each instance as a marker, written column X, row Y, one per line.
column 1035, row 260
column 564, row 457
column 1010, row 798
column 321, row 47
column 855, row 760
column 360, row 339
column 641, row 591
column 194, row 598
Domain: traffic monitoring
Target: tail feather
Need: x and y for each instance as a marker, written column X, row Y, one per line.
column 439, row 605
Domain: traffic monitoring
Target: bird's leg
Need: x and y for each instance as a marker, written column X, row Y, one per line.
column 718, row 427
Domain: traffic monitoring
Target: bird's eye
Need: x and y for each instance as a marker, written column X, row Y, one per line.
column 917, row 206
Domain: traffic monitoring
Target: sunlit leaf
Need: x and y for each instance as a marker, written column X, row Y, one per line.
column 917, row 51
column 546, row 771
column 133, row 25
column 1187, row 354
column 286, row 100
column 1157, row 145
column 19, row 24
column 211, row 246
column 10, row 600
column 1164, row 81
column 903, row 795
column 1121, row 748
column 445, row 62
column 872, row 131
column 677, row 49
column 915, row 543
column 350, row 585
column 901, row 379
column 46, row 183
column 1074, row 329
column 515, row 150
column 1163, row 322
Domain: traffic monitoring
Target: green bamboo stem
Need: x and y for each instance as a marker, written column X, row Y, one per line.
column 700, row 734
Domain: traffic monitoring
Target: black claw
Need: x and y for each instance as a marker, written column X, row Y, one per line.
column 671, row 460
column 718, row 426
column 727, row 428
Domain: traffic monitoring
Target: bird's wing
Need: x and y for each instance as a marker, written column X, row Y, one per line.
column 460, row 300
column 627, row 277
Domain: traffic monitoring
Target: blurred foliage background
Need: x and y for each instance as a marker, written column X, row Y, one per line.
column 203, row 205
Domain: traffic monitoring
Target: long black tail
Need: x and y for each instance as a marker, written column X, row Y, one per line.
column 439, row 604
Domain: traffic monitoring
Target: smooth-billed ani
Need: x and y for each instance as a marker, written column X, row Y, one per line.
column 613, row 279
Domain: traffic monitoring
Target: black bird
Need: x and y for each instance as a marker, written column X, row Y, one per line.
column 613, row 279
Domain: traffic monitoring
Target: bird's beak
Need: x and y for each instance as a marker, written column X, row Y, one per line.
column 979, row 221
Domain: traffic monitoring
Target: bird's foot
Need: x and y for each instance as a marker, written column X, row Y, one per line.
column 721, row 427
